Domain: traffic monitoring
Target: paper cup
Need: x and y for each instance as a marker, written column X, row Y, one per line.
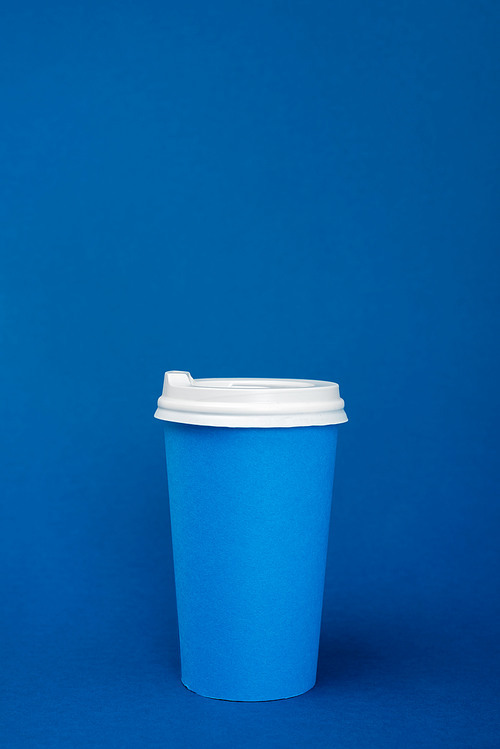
column 250, row 509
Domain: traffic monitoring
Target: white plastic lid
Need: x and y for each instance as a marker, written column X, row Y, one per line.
column 249, row 402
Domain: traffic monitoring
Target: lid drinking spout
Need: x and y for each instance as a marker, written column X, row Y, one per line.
column 177, row 379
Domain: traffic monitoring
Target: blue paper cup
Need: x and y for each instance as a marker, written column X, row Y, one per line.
column 250, row 509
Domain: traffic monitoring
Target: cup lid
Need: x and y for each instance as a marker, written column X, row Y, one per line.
column 255, row 402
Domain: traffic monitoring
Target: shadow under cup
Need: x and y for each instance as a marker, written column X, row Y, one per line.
column 250, row 511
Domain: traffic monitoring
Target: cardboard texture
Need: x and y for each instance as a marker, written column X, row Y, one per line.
column 250, row 512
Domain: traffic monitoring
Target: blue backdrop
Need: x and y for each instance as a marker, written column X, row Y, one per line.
column 286, row 189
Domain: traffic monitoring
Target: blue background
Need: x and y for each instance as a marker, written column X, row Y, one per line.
column 249, row 189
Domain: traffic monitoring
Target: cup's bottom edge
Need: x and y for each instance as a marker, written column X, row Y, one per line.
column 261, row 699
